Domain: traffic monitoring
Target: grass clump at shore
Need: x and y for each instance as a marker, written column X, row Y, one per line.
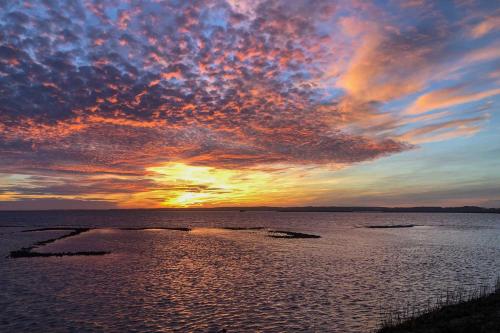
column 476, row 311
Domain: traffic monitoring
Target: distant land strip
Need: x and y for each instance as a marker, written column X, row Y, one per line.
column 464, row 209
column 333, row 209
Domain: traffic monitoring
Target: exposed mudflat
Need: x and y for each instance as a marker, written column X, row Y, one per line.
column 395, row 226
column 30, row 251
column 290, row 234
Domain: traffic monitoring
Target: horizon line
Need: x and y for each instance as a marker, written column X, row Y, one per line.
column 338, row 209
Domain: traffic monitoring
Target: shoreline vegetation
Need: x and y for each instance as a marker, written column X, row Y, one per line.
column 460, row 311
column 333, row 209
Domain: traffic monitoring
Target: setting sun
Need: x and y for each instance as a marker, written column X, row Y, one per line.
column 189, row 185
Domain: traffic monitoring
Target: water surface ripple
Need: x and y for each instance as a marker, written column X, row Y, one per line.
column 241, row 280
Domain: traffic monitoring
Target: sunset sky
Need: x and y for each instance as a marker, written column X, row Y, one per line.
column 126, row 104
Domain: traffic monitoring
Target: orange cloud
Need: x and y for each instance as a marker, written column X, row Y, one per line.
column 448, row 97
column 385, row 68
column 486, row 26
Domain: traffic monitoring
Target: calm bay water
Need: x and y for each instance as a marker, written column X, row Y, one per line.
column 243, row 281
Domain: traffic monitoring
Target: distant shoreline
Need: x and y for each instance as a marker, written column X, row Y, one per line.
column 307, row 209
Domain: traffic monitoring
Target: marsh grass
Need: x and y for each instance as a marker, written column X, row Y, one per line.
column 466, row 308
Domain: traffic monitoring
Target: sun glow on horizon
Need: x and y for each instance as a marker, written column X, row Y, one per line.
column 184, row 185
column 189, row 185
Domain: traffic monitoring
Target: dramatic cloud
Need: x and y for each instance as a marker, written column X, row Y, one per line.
column 124, row 88
column 104, row 91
